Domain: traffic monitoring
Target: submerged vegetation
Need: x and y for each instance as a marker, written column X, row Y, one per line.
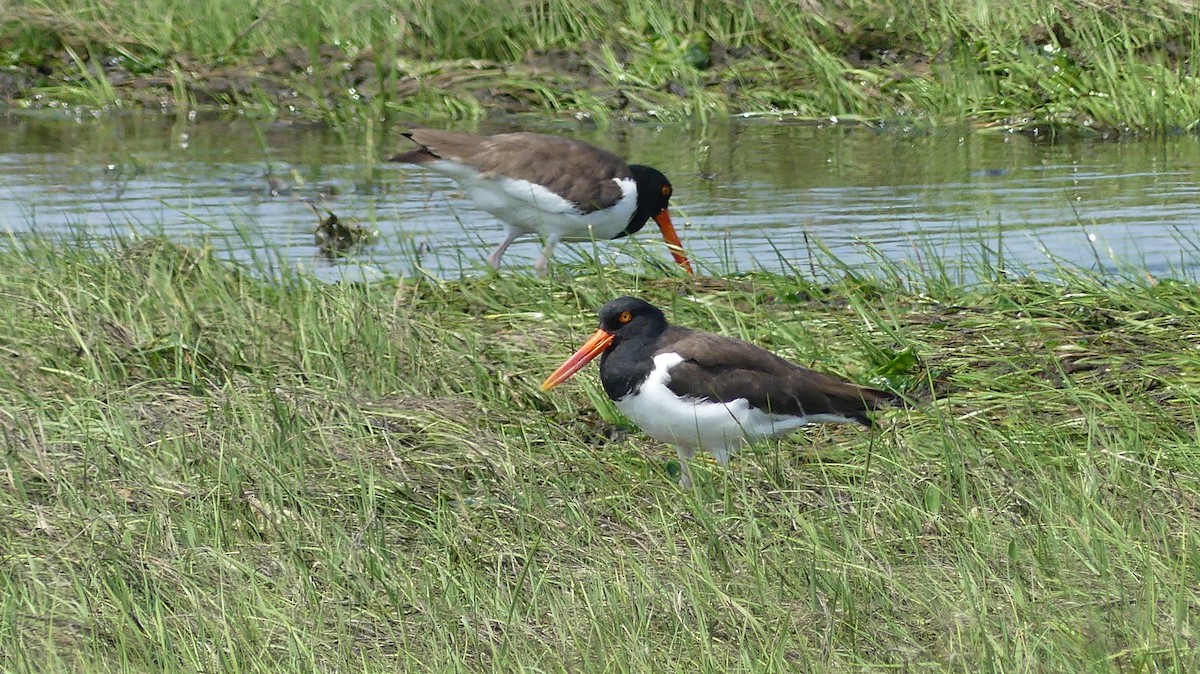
column 1057, row 64
column 206, row 469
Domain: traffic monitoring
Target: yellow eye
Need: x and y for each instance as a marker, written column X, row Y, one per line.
column 625, row 317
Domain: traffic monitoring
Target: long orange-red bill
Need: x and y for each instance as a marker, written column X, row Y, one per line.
column 673, row 243
column 595, row 346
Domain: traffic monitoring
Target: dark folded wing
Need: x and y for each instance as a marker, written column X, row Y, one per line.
column 578, row 172
column 724, row 369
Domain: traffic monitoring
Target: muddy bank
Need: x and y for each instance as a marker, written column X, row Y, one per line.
column 311, row 82
column 1086, row 70
column 591, row 80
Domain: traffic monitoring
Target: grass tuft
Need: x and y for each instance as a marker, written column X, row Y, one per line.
column 207, row 467
column 1046, row 65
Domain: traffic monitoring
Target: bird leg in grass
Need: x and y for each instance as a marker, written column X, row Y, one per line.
column 543, row 262
column 687, row 455
column 493, row 260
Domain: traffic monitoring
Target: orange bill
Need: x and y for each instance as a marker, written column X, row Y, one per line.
column 673, row 243
column 590, row 349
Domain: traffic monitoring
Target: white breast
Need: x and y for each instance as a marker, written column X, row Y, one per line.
column 691, row 423
column 535, row 209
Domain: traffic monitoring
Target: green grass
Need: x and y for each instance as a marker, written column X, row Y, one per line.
column 209, row 470
column 1044, row 64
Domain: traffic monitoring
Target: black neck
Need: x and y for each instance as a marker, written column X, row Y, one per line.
column 627, row 363
column 643, row 212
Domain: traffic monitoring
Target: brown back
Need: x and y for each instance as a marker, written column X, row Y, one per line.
column 580, row 173
column 724, row 369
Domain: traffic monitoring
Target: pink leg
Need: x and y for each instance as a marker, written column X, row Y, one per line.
column 494, row 258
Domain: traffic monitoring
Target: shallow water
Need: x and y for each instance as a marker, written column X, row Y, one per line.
column 753, row 194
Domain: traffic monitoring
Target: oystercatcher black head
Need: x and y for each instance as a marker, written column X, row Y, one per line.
column 653, row 196
column 698, row 390
column 558, row 188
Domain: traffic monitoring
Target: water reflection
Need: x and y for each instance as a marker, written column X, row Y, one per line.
column 754, row 194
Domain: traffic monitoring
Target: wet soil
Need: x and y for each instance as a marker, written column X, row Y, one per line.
column 316, row 82
column 307, row 82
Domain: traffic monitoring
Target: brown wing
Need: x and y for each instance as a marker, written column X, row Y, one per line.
column 723, row 369
column 580, row 173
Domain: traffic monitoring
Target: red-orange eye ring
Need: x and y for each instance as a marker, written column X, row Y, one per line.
column 625, row 317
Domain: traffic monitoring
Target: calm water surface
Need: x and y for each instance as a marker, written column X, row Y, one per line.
column 750, row 195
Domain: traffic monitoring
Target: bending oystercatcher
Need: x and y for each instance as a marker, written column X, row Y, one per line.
column 561, row 189
column 698, row 390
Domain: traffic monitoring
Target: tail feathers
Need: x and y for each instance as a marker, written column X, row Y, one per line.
column 870, row 400
column 419, row 155
column 877, row 398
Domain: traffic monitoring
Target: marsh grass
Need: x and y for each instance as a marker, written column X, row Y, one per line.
column 1044, row 65
column 208, row 467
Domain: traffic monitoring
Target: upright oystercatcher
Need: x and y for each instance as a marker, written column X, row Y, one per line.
column 561, row 189
column 698, row 390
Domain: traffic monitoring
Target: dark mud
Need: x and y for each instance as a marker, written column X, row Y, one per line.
column 1041, row 71
column 315, row 82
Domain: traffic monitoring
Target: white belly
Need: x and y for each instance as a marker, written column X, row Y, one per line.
column 534, row 209
column 691, row 424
